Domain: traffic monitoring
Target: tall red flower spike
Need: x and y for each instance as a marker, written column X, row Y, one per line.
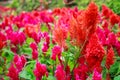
column 94, row 52
column 90, row 18
column 109, row 58
column 59, row 36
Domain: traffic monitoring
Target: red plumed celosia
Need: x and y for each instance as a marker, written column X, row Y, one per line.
column 109, row 58
column 94, row 52
column 90, row 17
column 77, row 32
column 59, row 36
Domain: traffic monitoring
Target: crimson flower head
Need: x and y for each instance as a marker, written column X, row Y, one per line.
column 2, row 40
column 80, row 73
column 56, row 51
column 90, row 17
column 45, row 47
column 114, row 19
column 34, row 54
column 109, row 58
column 106, row 12
column 33, row 46
column 19, row 38
column 60, row 73
column 94, row 52
column 19, row 62
column 112, row 39
column 36, row 37
column 13, row 72
column 40, row 70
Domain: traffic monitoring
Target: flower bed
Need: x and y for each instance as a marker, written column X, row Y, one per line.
column 62, row 44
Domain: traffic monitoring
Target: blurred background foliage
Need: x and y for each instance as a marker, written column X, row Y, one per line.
column 29, row 5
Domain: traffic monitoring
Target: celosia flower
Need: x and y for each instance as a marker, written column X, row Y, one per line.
column 56, row 52
column 34, row 54
column 19, row 38
column 13, row 72
column 60, row 73
column 40, row 70
column 2, row 40
column 45, row 47
column 90, row 18
column 94, row 52
column 105, row 24
column 59, row 36
column 29, row 29
column 34, row 48
column 80, row 73
column 96, row 75
column 112, row 39
column 19, row 62
column 36, row 37
column 77, row 33
column 106, row 12
column 114, row 19
column 109, row 58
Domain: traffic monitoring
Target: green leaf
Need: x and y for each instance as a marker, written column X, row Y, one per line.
column 117, row 77
column 24, row 74
column 51, row 78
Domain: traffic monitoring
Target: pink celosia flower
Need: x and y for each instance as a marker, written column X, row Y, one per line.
column 19, row 62
column 112, row 39
column 80, row 72
column 13, row 72
column 40, row 70
column 96, row 75
column 60, row 73
column 36, row 37
column 19, row 38
column 33, row 46
column 34, row 54
column 45, row 47
column 56, row 52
